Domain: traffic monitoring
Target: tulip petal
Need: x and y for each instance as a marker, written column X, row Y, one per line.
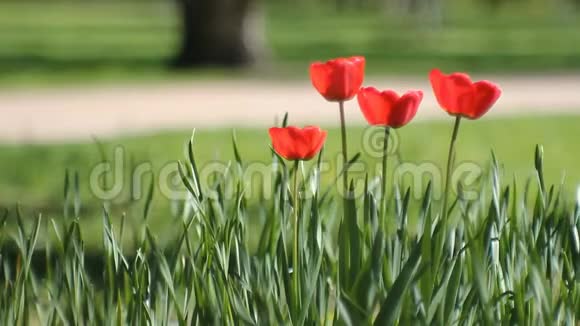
column 459, row 89
column 315, row 139
column 387, row 108
column 375, row 105
column 485, row 96
column 302, row 139
column 293, row 143
column 282, row 143
column 338, row 79
column 320, row 77
column 437, row 80
column 459, row 96
column 405, row 109
column 356, row 75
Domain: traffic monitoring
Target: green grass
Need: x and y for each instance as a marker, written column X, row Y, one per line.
column 67, row 41
column 509, row 256
column 524, row 37
column 33, row 175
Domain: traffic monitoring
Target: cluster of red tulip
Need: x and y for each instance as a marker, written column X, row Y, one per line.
column 340, row 80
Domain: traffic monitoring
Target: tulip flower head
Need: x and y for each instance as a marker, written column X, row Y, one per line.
column 293, row 143
column 387, row 108
column 338, row 79
column 459, row 96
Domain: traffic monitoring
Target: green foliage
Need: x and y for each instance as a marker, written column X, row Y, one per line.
column 66, row 41
column 511, row 256
column 39, row 188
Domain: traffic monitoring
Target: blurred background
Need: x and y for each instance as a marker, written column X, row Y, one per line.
column 80, row 77
column 50, row 40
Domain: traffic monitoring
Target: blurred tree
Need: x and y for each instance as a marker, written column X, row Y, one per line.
column 213, row 32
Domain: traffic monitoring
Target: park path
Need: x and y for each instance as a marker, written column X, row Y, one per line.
column 79, row 113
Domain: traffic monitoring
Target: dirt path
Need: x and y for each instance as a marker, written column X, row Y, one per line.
column 50, row 115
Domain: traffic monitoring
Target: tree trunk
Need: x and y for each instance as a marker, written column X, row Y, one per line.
column 213, row 32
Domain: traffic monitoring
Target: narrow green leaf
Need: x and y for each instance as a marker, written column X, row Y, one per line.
column 387, row 313
column 354, row 236
column 236, row 150
column 452, row 290
column 149, row 198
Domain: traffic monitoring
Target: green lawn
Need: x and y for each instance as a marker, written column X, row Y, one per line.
column 66, row 41
column 301, row 257
column 33, row 175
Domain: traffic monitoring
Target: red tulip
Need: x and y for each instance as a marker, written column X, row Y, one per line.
column 293, row 143
column 459, row 96
column 338, row 79
column 387, row 108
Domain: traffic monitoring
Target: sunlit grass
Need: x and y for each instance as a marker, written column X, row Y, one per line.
column 511, row 255
column 65, row 41
column 32, row 175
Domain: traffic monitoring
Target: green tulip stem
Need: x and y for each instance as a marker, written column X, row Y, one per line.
column 296, row 252
column 344, row 148
column 384, row 174
column 450, row 163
